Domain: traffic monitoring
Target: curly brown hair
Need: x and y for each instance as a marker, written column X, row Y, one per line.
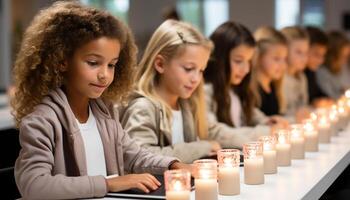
column 52, row 38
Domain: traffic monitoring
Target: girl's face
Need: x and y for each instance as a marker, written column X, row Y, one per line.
column 240, row 61
column 181, row 75
column 317, row 53
column 91, row 69
column 298, row 54
column 343, row 56
column 273, row 61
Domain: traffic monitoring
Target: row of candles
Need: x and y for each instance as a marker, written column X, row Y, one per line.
column 260, row 157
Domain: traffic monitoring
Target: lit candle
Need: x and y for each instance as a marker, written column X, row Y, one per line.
column 311, row 136
column 253, row 163
column 270, row 155
column 228, row 171
column 283, row 147
column 334, row 118
column 297, row 141
column 206, row 179
column 343, row 118
column 324, row 126
column 177, row 184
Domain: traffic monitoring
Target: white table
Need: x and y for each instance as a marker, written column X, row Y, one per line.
column 305, row 179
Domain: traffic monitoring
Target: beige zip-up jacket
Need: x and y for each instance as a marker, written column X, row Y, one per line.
column 259, row 118
column 52, row 163
column 146, row 122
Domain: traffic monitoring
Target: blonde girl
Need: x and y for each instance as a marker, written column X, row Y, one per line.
column 166, row 114
column 295, row 82
column 73, row 61
column 269, row 66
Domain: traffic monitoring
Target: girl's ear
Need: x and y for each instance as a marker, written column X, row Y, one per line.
column 159, row 64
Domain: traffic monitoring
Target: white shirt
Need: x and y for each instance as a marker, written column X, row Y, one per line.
column 236, row 109
column 95, row 158
column 177, row 127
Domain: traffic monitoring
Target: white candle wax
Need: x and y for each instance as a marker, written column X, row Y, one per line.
column 324, row 134
column 311, row 140
column 254, row 171
column 229, row 180
column 298, row 148
column 177, row 195
column 283, row 154
column 270, row 162
column 206, row 189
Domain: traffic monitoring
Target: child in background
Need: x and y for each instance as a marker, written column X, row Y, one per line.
column 329, row 75
column 75, row 60
column 229, row 95
column 167, row 114
column 269, row 66
column 317, row 53
column 295, row 82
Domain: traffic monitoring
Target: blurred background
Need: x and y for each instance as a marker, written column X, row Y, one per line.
column 143, row 16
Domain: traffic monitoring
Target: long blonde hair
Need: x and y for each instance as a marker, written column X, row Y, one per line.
column 169, row 38
column 265, row 38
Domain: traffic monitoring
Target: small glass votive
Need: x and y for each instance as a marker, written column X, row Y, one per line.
column 228, row 173
column 253, row 163
column 177, row 184
column 270, row 154
column 297, row 141
column 205, row 173
column 323, row 125
column 283, row 147
column 334, row 119
column 310, row 135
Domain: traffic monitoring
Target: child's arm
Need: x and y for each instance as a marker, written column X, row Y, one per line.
column 139, row 121
column 35, row 166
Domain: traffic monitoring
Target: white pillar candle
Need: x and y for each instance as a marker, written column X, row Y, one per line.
column 269, row 154
column 283, row 147
column 177, row 184
column 311, row 136
column 229, row 180
column 297, row 141
column 283, row 154
column 228, row 174
column 253, row 163
column 254, row 171
column 177, row 195
column 270, row 161
column 206, row 186
column 206, row 189
column 298, row 148
column 323, row 125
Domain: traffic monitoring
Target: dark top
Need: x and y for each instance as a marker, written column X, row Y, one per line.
column 269, row 102
column 313, row 89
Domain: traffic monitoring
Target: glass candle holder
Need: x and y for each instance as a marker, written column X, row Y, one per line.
column 342, row 113
column 269, row 153
column 334, row 119
column 205, row 174
column 177, row 184
column 253, row 163
column 323, row 126
column 297, row 141
column 228, row 173
column 283, row 147
column 310, row 135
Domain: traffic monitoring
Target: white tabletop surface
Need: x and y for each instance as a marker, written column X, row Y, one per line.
column 305, row 179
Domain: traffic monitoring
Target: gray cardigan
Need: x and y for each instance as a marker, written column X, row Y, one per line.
column 145, row 121
column 52, row 163
column 331, row 84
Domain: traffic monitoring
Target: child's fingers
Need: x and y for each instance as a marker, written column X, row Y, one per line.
column 154, row 180
column 142, row 187
column 148, row 182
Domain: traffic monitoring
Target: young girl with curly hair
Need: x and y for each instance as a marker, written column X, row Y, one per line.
column 75, row 60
